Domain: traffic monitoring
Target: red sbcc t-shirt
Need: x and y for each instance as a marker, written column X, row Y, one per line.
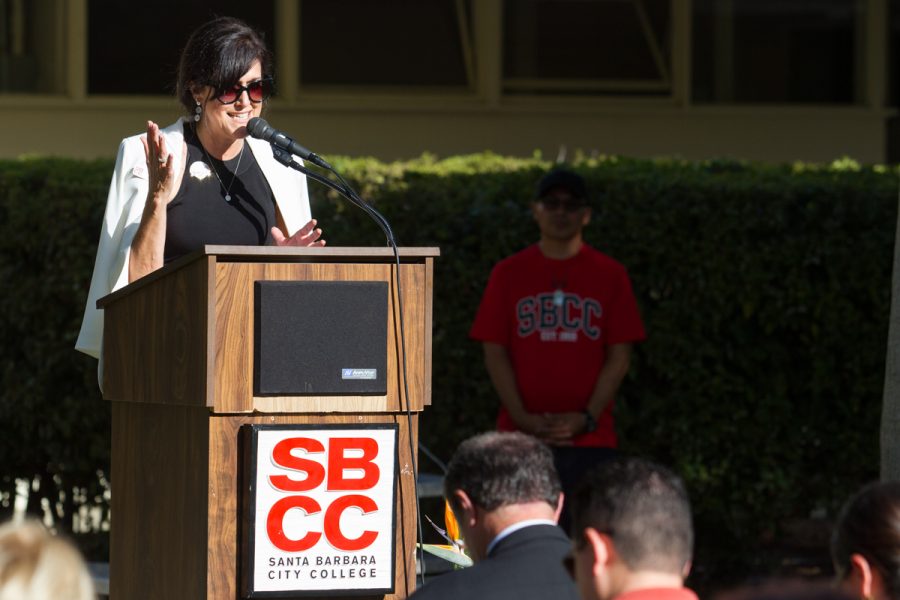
column 556, row 319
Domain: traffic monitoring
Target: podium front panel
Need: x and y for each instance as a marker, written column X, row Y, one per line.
column 235, row 334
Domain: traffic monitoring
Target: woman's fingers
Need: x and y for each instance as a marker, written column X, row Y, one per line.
column 161, row 164
column 311, row 237
column 157, row 145
column 162, row 154
column 278, row 236
column 151, row 144
column 304, row 231
column 308, row 235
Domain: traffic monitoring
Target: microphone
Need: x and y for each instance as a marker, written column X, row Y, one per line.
column 259, row 129
column 284, row 146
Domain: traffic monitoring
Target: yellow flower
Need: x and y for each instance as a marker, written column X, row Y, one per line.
column 451, row 524
column 453, row 552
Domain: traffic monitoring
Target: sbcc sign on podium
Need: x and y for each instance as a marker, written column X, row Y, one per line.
column 319, row 509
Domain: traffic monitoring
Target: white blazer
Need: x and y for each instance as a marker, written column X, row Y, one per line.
column 125, row 206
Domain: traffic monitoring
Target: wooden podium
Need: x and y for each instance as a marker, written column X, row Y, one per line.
column 178, row 368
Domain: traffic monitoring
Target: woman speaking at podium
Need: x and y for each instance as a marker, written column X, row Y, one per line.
column 201, row 180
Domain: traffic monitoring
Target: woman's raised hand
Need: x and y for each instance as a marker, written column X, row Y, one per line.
column 163, row 171
column 308, row 235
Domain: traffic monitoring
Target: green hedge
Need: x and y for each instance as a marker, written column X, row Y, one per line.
column 53, row 426
column 765, row 291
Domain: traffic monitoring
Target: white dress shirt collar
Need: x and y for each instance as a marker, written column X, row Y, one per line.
column 515, row 527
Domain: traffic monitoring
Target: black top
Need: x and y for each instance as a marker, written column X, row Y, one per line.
column 200, row 215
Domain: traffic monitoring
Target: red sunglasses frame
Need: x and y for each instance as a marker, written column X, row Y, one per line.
column 264, row 86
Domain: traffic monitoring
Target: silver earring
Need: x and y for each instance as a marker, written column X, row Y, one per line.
column 197, row 111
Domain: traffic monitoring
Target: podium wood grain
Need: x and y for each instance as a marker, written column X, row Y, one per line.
column 158, row 534
column 156, row 343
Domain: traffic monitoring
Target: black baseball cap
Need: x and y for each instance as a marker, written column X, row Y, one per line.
column 561, row 178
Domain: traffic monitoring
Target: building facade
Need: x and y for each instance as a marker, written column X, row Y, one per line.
column 771, row 80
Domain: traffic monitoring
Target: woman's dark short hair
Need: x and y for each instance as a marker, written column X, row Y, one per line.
column 218, row 54
column 869, row 525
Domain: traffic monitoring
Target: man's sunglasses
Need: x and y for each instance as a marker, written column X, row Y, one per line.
column 551, row 203
column 257, row 91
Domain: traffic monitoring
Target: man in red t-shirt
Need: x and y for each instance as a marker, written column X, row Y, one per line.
column 558, row 321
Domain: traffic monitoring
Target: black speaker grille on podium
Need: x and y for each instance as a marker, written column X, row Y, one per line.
column 320, row 338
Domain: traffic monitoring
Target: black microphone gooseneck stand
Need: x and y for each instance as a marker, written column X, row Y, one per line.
column 344, row 189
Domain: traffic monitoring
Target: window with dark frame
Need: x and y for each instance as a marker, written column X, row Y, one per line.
column 31, row 45
column 134, row 47
column 775, row 51
column 598, row 47
column 743, row 51
column 388, row 43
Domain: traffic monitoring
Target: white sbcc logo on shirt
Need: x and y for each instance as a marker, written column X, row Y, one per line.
column 558, row 318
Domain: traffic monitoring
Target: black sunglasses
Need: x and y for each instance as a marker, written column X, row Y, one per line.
column 551, row 203
column 257, row 91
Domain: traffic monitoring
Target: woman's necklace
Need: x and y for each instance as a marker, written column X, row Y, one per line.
column 227, row 190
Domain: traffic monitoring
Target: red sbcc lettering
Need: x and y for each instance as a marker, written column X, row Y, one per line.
column 315, row 474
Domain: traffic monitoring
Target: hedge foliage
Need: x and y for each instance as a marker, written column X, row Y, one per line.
column 765, row 291
column 53, row 427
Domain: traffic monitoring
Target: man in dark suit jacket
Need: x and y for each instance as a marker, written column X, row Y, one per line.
column 505, row 493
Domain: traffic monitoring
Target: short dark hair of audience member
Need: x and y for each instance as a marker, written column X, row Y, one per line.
column 865, row 544
column 35, row 565
column 218, row 54
column 638, row 515
column 497, row 469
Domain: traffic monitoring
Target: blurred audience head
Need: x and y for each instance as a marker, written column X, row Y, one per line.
column 496, row 479
column 865, row 545
column 631, row 529
column 35, row 565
